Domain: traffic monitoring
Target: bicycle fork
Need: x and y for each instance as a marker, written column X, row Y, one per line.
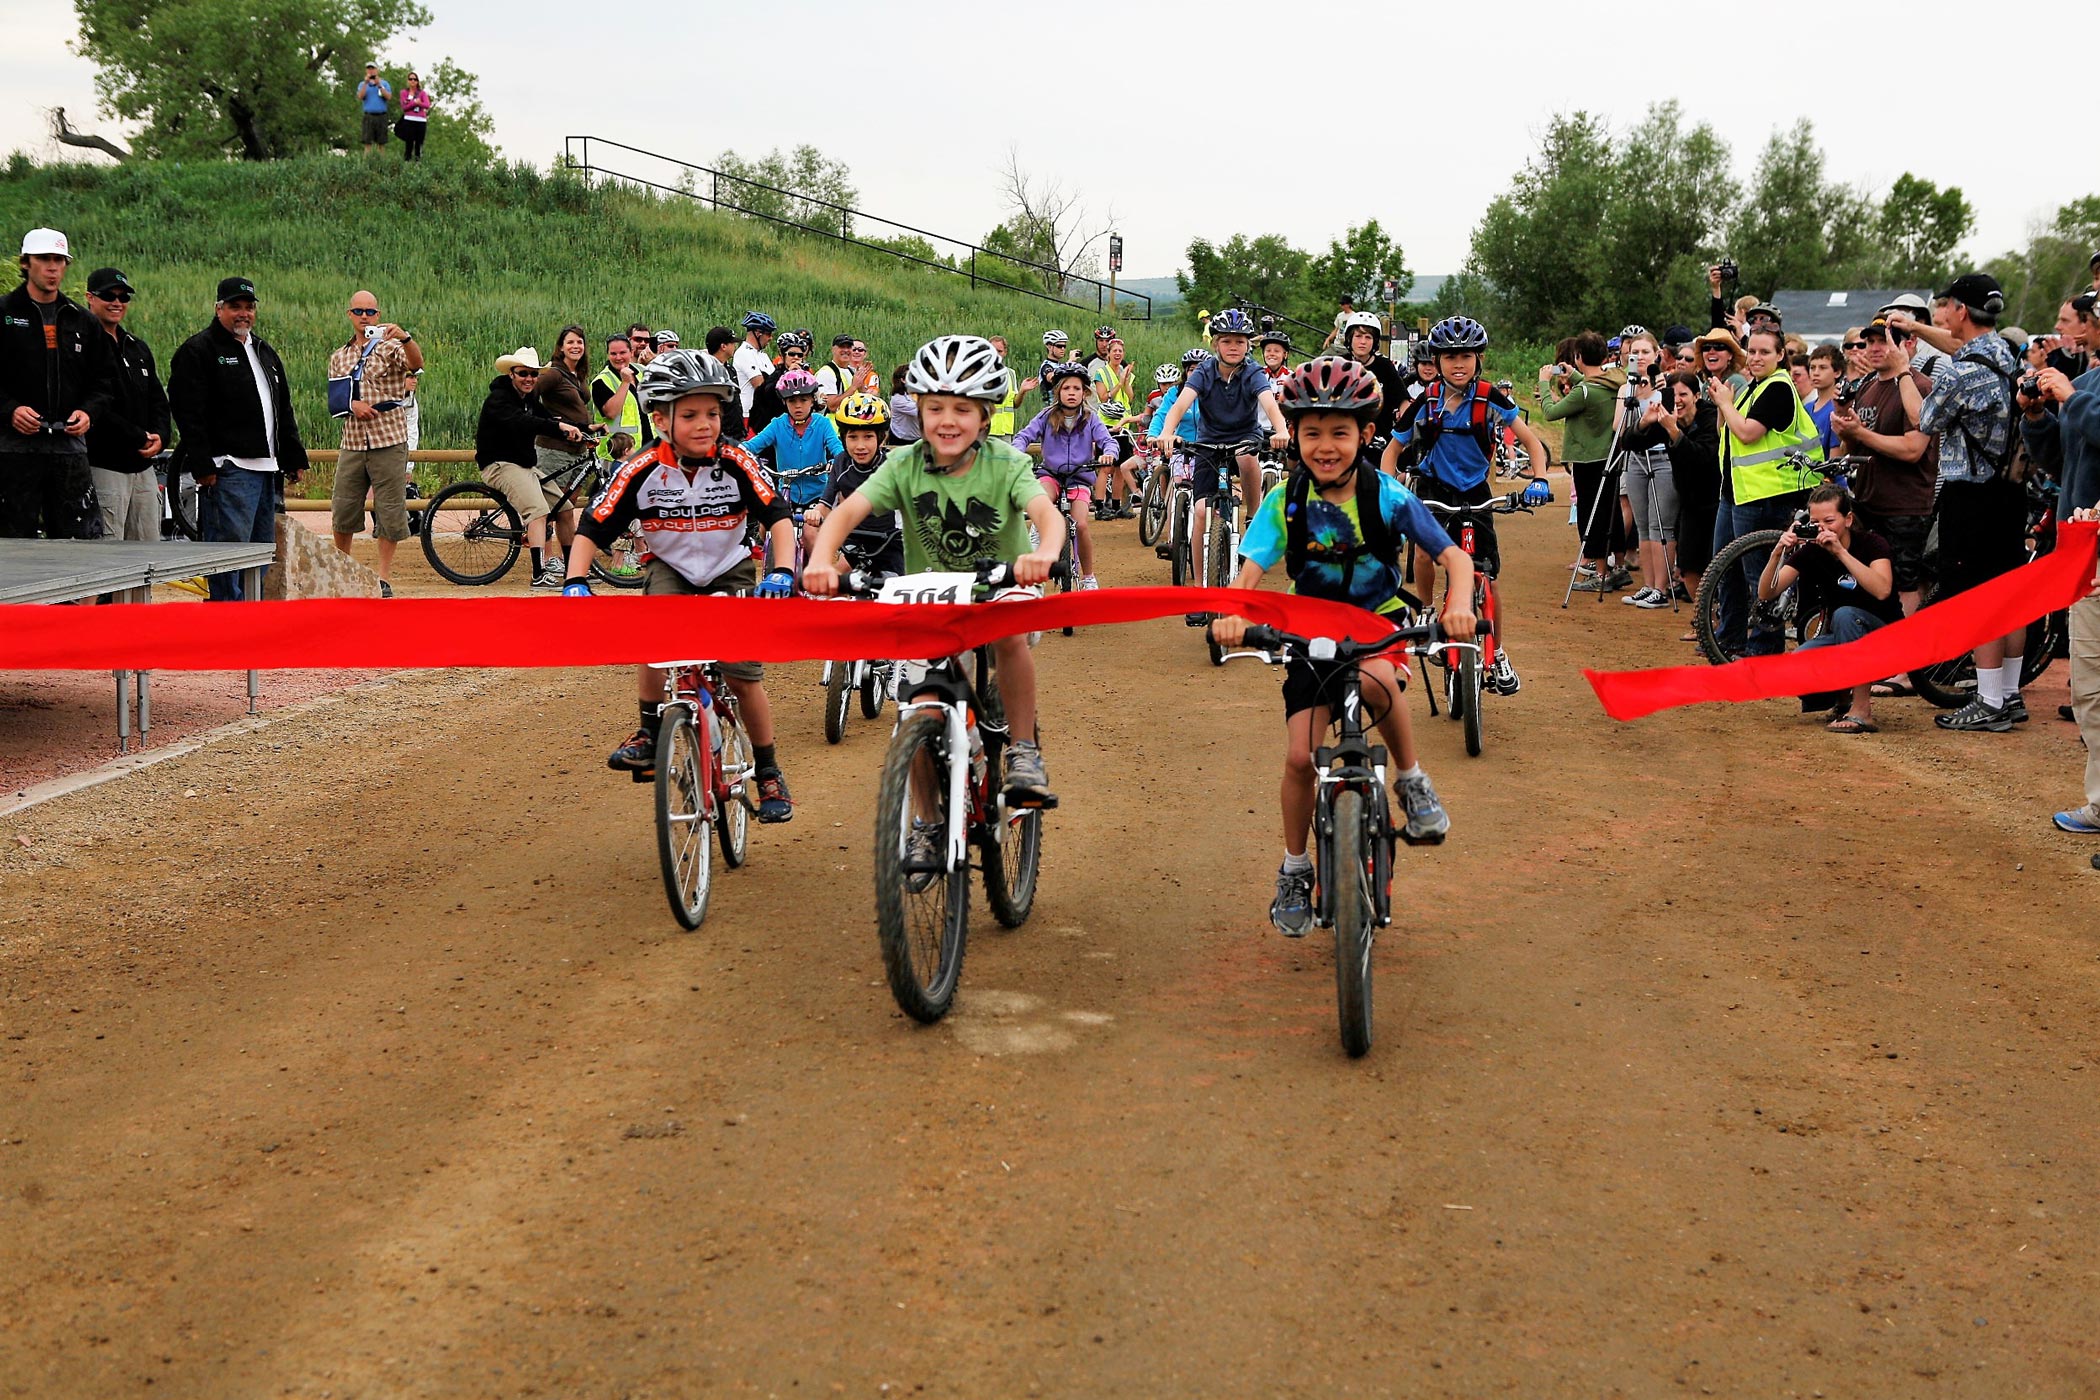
column 957, row 726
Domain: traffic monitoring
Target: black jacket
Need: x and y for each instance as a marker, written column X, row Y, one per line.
column 54, row 383
column 211, row 390
column 138, row 406
column 508, row 424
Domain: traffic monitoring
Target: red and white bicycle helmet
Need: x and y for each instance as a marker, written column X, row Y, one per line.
column 797, row 384
column 1330, row 384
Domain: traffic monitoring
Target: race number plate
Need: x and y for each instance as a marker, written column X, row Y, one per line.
column 929, row 588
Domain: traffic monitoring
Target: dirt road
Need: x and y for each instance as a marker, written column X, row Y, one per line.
column 361, row 1057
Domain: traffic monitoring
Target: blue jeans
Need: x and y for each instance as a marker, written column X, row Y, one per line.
column 239, row 508
column 1731, row 523
column 1847, row 624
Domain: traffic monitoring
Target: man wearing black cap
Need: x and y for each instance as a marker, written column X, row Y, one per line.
column 233, row 408
column 836, row 380
column 1982, row 512
column 126, row 437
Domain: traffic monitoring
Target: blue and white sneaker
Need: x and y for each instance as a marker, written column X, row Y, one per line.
column 1291, row 910
column 2079, row 821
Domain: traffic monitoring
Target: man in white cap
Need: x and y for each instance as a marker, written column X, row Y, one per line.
column 1915, row 307
column 510, row 419
column 55, row 373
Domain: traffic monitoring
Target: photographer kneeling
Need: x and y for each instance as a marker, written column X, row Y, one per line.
column 1843, row 571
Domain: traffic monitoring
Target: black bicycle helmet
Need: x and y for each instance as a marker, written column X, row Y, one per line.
column 1457, row 333
column 1330, row 384
column 1422, row 354
column 1272, row 336
column 1064, row 369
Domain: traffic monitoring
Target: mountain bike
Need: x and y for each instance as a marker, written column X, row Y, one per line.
column 472, row 536
column 1781, row 617
column 1465, row 682
column 1951, row 684
column 703, row 785
column 1352, row 829
column 1217, row 553
column 1181, row 515
column 939, row 798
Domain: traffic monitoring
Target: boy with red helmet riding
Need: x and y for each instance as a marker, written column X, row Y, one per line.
column 1337, row 524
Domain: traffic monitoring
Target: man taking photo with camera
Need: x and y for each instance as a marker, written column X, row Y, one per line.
column 1845, row 576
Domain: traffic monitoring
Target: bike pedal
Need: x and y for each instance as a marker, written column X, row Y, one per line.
column 642, row 775
column 1028, row 802
column 1436, row 840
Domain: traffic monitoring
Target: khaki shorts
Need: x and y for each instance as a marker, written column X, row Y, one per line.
column 384, row 472
column 664, row 580
column 530, row 495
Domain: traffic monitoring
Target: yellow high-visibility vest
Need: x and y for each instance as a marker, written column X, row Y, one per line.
column 1758, row 470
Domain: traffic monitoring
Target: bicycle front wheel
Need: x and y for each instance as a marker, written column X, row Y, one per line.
column 470, row 534
column 1355, row 918
column 1466, row 691
column 922, row 908
column 1178, row 550
column 684, row 812
column 837, row 693
column 733, row 826
column 872, row 686
column 1217, row 564
column 1152, row 509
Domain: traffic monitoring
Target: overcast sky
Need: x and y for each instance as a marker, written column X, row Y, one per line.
column 923, row 100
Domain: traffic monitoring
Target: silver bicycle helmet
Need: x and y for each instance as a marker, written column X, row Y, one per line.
column 1051, row 338
column 1167, row 374
column 678, row 374
column 965, row 365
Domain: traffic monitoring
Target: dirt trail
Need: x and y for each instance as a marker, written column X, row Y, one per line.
column 357, row 1058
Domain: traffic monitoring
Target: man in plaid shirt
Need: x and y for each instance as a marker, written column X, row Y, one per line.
column 375, row 435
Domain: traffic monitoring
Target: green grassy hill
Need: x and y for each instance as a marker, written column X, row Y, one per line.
column 478, row 262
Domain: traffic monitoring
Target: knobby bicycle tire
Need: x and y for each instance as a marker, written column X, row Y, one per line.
column 1069, row 556
column 872, row 688
column 483, row 549
column 1469, row 687
column 1355, row 918
column 684, row 798
column 188, row 516
column 1179, row 549
column 1152, row 508
column 1707, row 608
column 836, row 698
column 1012, row 866
column 1216, row 566
column 922, row 929
column 733, row 822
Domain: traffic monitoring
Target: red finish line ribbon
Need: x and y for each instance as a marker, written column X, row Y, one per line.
column 1930, row 635
column 600, row 631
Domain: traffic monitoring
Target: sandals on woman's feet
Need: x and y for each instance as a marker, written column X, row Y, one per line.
column 1852, row 724
column 1893, row 690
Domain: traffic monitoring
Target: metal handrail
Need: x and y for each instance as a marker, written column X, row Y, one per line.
column 844, row 232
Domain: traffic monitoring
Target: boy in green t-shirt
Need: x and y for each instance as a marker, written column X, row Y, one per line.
column 964, row 496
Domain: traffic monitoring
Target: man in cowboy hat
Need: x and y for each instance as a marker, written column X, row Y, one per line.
column 510, row 420
column 55, row 380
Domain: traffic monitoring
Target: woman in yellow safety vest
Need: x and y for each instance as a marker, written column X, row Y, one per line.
column 1760, row 428
column 612, row 394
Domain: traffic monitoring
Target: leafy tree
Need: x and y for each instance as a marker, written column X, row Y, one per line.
column 1797, row 229
column 1357, row 265
column 2053, row 265
column 261, row 79
column 1918, row 228
column 797, row 187
column 1541, row 243
column 1266, row 269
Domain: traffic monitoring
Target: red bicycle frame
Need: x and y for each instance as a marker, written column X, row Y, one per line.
column 1483, row 599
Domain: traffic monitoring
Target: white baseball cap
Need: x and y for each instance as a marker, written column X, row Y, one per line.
column 45, row 241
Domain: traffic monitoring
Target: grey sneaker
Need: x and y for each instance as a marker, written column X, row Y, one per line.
column 1027, row 784
column 1976, row 716
column 1291, row 910
column 922, row 854
column 1589, row 581
column 1619, row 579
column 2015, row 709
column 1427, row 821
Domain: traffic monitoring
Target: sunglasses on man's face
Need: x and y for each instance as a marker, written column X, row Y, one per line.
column 524, row 374
column 1855, row 345
column 117, row 295
column 364, row 311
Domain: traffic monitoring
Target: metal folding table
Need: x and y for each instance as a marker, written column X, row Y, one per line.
column 66, row 571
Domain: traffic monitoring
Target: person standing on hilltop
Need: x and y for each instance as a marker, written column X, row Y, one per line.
column 373, row 96
column 415, row 118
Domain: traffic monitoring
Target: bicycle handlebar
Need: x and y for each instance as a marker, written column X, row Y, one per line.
column 1499, row 505
column 1427, row 636
column 991, row 573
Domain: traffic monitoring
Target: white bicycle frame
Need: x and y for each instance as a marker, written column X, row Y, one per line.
column 938, row 588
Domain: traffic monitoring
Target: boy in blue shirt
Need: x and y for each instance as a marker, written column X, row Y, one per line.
column 1331, row 405
column 1234, row 396
column 1453, row 427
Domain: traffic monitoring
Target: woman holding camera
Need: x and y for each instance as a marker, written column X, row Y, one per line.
column 1846, row 576
column 1581, row 395
column 1690, row 430
column 1650, row 478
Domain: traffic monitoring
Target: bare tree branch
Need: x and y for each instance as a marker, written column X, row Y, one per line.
column 63, row 132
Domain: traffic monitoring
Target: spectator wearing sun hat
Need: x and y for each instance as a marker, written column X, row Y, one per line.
column 55, row 381
column 504, row 448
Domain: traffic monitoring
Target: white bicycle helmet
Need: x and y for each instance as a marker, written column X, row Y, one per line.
column 678, row 374
column 964, row 365
column 1361, row 320
column 1167, row 374
column 1051, row 338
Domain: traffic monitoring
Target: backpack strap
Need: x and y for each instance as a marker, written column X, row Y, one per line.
column 1374, row 537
